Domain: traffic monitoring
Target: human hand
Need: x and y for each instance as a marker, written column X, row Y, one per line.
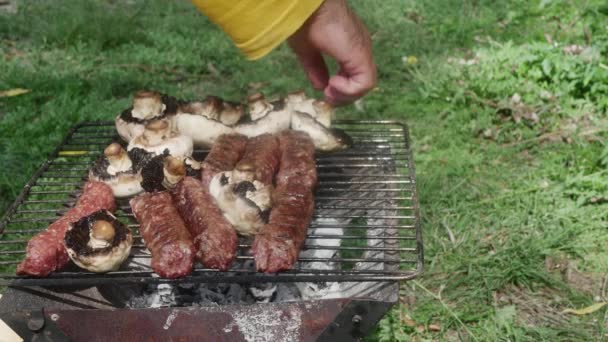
column 335, row 30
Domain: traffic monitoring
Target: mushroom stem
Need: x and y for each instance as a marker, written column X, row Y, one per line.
column 296, row 96
column 174, row 171
column 324, row 111
column 118, row 158
column 258, row 106
column 147, row 104
column 156, row 132
column 103, row 230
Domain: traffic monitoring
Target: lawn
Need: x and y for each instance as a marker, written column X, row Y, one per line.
column 506, row 101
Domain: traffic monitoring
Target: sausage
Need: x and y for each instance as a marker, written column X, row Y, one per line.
column 277, row 246
column 214, row 237
column 260, row 160
column 45, row 252
column 224, row 155
column 164, row 234
column 297, row 159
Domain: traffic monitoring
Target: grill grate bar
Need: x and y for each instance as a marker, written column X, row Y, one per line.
column 366, row 213
column 313, row 225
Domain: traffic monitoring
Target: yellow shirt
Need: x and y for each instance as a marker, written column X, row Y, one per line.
column 258, row 26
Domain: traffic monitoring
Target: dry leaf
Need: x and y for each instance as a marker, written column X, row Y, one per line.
column 420, row 329
column 256, row 85
column 14, row 92
column 408, row 321
column 585, row 311
column 435, row 327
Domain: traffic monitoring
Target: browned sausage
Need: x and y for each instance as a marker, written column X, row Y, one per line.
column 278, row 244
column 297, row 159
column 214, row 237
column 225, row 153
column 261, row 158
column 164, row 234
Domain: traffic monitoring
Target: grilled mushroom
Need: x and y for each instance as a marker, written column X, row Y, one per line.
column 174, row 170
column 164, row 172
column 158, row 138
column 116, row 169
column 266, row 117
column 98, row 242
column 214, row 108
column 205, row 121
column 193, row 167
column 325, row 139
column 147, row 106
column 320, row 110
column 246, row 205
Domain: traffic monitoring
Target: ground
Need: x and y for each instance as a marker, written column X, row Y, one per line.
column 506, row 102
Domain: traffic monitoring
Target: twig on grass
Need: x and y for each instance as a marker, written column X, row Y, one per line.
column 445, row 306
column 556, row 134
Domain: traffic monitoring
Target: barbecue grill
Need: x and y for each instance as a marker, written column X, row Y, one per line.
column 365, row 237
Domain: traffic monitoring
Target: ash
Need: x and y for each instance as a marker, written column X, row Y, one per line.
column 329, row 223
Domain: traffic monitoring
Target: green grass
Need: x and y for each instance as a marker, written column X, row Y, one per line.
column 505, row 181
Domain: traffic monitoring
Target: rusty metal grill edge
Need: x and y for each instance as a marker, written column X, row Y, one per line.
column 377, row 175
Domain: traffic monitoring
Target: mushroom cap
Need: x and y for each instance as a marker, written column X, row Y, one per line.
column 325, row 139
column 246, row 205
column 296, row 96
column 202, row 130
column 130, row 123
column 158, row 125
column 158, row 138
column 104, row 226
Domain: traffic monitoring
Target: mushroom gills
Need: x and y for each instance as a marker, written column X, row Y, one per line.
column 246, row 205
column 116, row 169
column 99, row 242
column 164, row 172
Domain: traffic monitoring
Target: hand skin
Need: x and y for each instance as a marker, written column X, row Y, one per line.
column 335, row 30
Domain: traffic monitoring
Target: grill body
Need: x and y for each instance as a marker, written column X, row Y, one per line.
column 365, row 237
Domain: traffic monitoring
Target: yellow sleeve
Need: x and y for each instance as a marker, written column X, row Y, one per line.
column 258, row 26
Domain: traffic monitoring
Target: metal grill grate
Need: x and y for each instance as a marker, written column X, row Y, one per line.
column 366, row 225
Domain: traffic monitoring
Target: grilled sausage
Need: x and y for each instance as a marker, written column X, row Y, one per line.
column 277, row 246
column 164, row 234
column 224, row 155
column 297, row 159
column 260, row 160
column 214, row 237
column 45, row 252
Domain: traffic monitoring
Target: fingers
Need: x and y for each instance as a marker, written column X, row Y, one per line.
column 312, row 62
column 351, row 83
